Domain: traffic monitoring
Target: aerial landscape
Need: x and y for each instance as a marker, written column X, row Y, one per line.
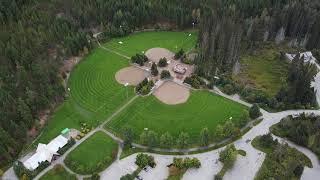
column 160, row 89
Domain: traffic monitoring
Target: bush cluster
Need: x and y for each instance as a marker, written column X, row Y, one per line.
column 162, row 62
column 165, row 74
column 186, row 163
column 154, row 69
column 139, row 59
column 144, row 87
column 254, row 111
column 228, row 157
column 195, row 81
column 70, row 143
column 179, row 54
column 143, row 160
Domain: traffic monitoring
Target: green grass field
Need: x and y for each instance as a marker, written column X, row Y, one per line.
column 93, row 155
column 143, row 41
column 203, row 109
column 264, row 71
column 58, row 173
column 95, row 94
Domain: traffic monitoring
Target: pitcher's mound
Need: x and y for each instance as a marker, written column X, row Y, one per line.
column 131, row 75
column 172, row 93
column 154, row 54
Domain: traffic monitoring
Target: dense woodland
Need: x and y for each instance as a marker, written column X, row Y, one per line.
column 303, row 130
column 37, row 36
column 229, row 26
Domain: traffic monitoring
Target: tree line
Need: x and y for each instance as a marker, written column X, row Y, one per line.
column 231, row 26
column 37, row 37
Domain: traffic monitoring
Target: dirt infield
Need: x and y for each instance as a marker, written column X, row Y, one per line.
column 154, row 54
column 131, row 75
column 172, row 93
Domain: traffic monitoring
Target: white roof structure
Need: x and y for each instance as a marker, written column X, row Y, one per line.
column 45, row 152
column 306, row 55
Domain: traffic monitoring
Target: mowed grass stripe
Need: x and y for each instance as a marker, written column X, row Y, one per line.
column 93, row 155
column 94, row 95
column 203, row 109
column 143, row 41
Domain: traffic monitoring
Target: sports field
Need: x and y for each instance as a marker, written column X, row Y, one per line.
column 94, row 92
column 203, row 109
column 143, row 41
column 93, row 155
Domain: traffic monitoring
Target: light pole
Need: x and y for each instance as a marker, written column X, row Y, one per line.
column 125, row 85
column 192, row 25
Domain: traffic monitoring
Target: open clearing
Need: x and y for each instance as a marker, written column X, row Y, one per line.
column 131, row 75
column 93, row 155
column 141, row 42
column 203, row 109
column 94, row 92
column 264, row 71
column 58, row 173
column 172, row 93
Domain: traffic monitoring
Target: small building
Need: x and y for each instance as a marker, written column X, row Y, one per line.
column 307, row 56
column 178, row 68
column 45, row 152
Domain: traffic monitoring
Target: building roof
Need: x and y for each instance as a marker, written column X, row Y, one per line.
column 45, row 152
column 307, row 56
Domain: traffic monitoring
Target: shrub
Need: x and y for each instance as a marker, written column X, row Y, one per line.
column 70, row 143
column 144, row 87
column 165, row 74
column 179, row 54
column 186, row 163
column 162, row 62
column 142, row 160
column 195, row 81
column 154, row 70
column 254, row 111
column 229, row 89
column 139, row 59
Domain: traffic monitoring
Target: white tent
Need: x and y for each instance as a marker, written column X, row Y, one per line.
column 45, row 152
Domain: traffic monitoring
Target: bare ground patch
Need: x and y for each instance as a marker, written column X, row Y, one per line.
column 172, row 93
column 154, row 54
column 131, row 75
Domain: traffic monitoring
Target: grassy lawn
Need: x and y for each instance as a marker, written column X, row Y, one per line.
column 58, row 173
column 203, row 109
column 95, row 94
column 264, row 70
column 93, row 155
column 143, row 41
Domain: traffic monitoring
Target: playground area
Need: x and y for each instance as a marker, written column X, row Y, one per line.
column 178, row 70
